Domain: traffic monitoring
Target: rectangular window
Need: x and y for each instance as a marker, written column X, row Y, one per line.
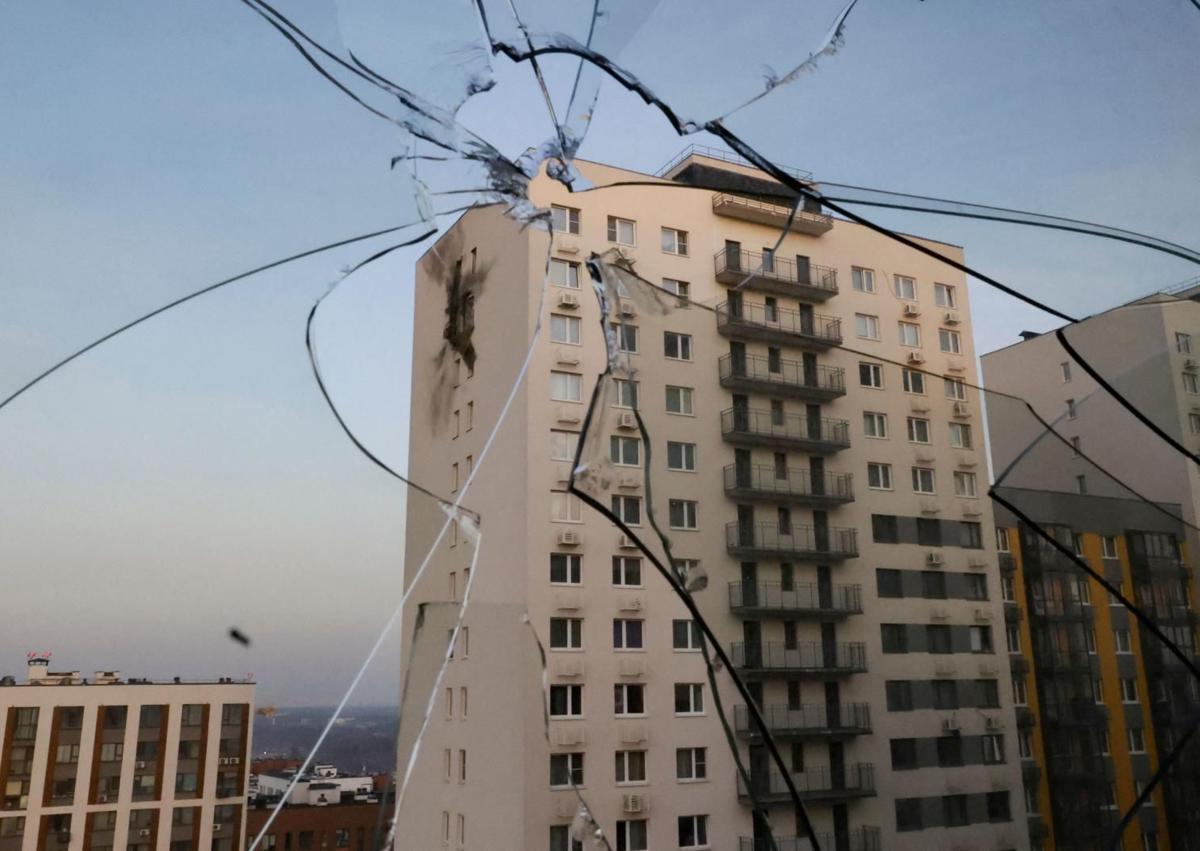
column 566, row 701
column 910, row 334
column 937, row 638
column 627, row 337
column 625, row 451
column 950, row 341
column 691, row 763
column 564, row 219
column 870, row 375
column 960, row 435
column 563, row 445
column 943, row 296
column 950, row 751
column 689, row 698
column 922, row 480
column 1183, row 343
column 1129, row 690
column 887, row 582
column 627, row 634
column 631, row 835
column 566, row 770
column 628, row 509
column 566, row 633
column 933, row 585
column 674, row 241
column 866, row 327
column 677, row 346
column 627, row 571
column 1108, row 546
column 955, row 388
column 906, row 288
column 565, row 507
column 862, row 280
column 899, row 695
column 564, row 329
column 679, row 400
column 964, row 484
column 929, row 532
column 981, row 639
column 894, row 637
column 1008, row 589
column 682, row 513
column 908, row 814
column 626, row 393
column 1191, row 383
column 874, row 424
column 954, row 810
column 1194, row 423
column 566, row 569
column 566, row 386
column 685, row 635
column 1122, row 639
column 693, row 832
column 1012, row 638
column 998, row 807
column 629, row 699
column 918, row 430
column 681, row 456
column 1137, row 741
column 1081, row 484
column 564, row 274
column 879, row 476
column 622, row 231
column 630, row 767
column 885, row 529
column 914, row 382
column 682, row 289
column 945, row 694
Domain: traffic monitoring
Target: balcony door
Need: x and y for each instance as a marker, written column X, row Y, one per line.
column 813, row 417
column 752, row 638
column 749, row 584
column 737, row 358
column 742, row 468
column 816, row 472
column 733, row 255
column 810, row 369
column 745, row 515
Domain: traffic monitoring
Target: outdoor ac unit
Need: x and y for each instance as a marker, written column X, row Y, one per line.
column 568, row 538
column 568, row 300
column 633, row 803
column 628, row 308
column 934, row 559
column 976, row 563
column 139, row 764
column 631, row 667
column 950, row 317
column 918, row 404
column 929, row 506
column 567, row 600
column 217, row 826
column 939, row 614
column 222, row 760
column 629, row 483
column 567, row 356
column 956, row 365
column 993, row 723
column 567, row 246
column 627, row 419
column 912, row 310
column 568, row 415
column 568, row 735
column 145, row 831
column 950, row 725
column 633, row 734
column 631, row 604
column 962, row 409
column 916, row 357
column 626, row 543
column 983, row 616
column 235, row 760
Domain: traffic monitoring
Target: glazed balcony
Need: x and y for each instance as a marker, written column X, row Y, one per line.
column 763, row 483
column 771, row 213
column 806, row 721
column 782, row 377
column 761, row 427
column 1081, row 712
column 768, row 658
column 1059, row 609
column 765, row 540
column 767, row 273
column 862, row 839
column 855, row 780
column 780, row 325
column 770, row 599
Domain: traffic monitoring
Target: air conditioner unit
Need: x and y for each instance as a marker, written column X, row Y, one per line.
column 222, row 760
column 628, row 308
column 629, row 482
column 102, row 799
column 956, row 365
column 567, row 356
column 939, row 614
column 567, row 246
column 569, row 300
column 566, row 808
column 916, row 357
column 934, row 559
column 568, row 538
column 235, row 760
column 631, row 667
column 950, row 725
column 950, row 317
column 568, row 735
column 965, row 460
column 626, row 543
column 139, row 764
column 568, row 415
column 983, row 616
column 993, row 723
column 633, row 803
column 217, row 826
column 929, row 506
column 962, row 409
column 912, row 310
column 633, row 734
column 145, row 831
column 567, row 666
column 567, row 600
column 627, row 419
column 631, row 604
column 976, row 563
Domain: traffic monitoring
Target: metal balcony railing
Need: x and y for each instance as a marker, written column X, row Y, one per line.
column 781, row 376
column 727, row 157
column 862, row 839
column 853, row 780
column 806, row 719
column 778, row 274
column 780, row 324
column 768, row 539
column 1061, row 608
column 805, row 598
column 806, row 657
column 787, row 484
column 774, row 212
column 763, row 426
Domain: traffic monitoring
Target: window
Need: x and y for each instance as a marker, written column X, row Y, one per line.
column 627, row 393
column 1002, row 540
column 564, row 274
column 1194, row 423
column 908, row 814
column 566, row 770
column 879, row 476
column 960, row 435
column 970, row 535
column 888, row 583
column 894, row 637
column 904, row 754
column 989, row 694
column 964, row 484
column 564, row 329
column 681, row 456
column 1129, row 690
column 629, row 699
column 1071, row 409
column 566, row 386
column 885, row 529
column 627, row 337
column 933, row 585
column 679, row 400
column 866, row 326
column 1012, row 638
column 910, row 334
column 622, row 231
column 565, row 507
column 685, row 635
column 566, row 633
column 566, row 568
column 955, row 389
column 1025, row 745
column 874, row 424
column 998, row 806
column 691, row 763
column 922, row 480
column 682, row 513
column 631, row 767
column 693, row 832
column 566, row 701
column 981, row 639
column 943, row 296
column 899, row 695
column 771, row 308
column 914, row 382
column 631, row 835
column 628, row 509
column 1149, row 840
column 677, row 346
column 938, row 638
column 1020, row 695
column 954, row 810
column 689, row 698
column 950, row 751
column 680, row 288
column 1183, row 343
column 905, row 287
column 627, row 634
column 564, row 219
column 1191, row 383
column 950, row 341
column 862, row 280
column 560, row 839
column 1108, row 546
column 674, row 241
column 918, row 430
column 627, row 571
column 993, row 749
column 1008, row 589
column 1081, row 484
column 625, row 451
column 1122, row 639
column 870, row 375
column 1137, row 741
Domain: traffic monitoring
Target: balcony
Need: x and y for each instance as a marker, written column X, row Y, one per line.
column 1019, row 664
column 807, row 657
column 1007, row 563
column 807, row 720
column 761, row 482
column 756, row 599
column 753, row 270
column 1060, row 609
column 856, row 780
column 1067, row 661
column 779, row 325
column 1025, row 717
column 765, row 540
column 863, row 839
column 1081, row 712
column 771, row 213
column 759, row 427
column 780, row 377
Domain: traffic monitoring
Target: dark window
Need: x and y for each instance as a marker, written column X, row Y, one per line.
column 955, row 807
column 972, row 535
column 888, row 582
column 929, row 532
column 937, row 636
column 787, row 577
column 950, row 750
column 908, row 814
column 904, row 754
column 899, row 695
column 976, row 587
column 895, row 637
column 885, row 529
column 997, row 806
column 933, row 584
column 945, row 694
column 989, row 694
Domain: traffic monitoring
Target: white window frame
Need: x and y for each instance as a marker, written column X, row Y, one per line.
column 683, row 346
column 1191, row 383
column 877, row 418
column 918, row 480
column 627, row 689
column 1129, row 691
column 675, row 241
column 910, row 334
column 574, row 634
column 623, row 512
column 569, row 217
column 624, row 763
column 573, row 382
column 1183, row 343
column 914, row 427
column 571, row 505
column 912, row 378
column 875, row 371
column 862, row 280
column 563, row 448
column 955, row 388
column 619, row 446
column 629, row 838
column 697, row 759
column 687, row 456
column 625, row 388
column 1137, row 743
column 567, row 330
column 690, row 516
column 686, row 399
column 945, row 295
column 904, row 287
column 1108, row 546
column 695, row 698
column 621, row 569
column 693, row 634
column 1122, row 641
column 614, row 231
column 574, row 699
column 950, row 341
column 868, row 323
column 569, row 279
column 965, row 484
column 574, row 766
column 627, row 337
column 699, row 831
column 882, row 475
column 624, row 634
column 957, row 432
column 574, row 569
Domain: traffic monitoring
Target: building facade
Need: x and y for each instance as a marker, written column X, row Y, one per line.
column 92, row 765
column 817, row 455
column 339, row 826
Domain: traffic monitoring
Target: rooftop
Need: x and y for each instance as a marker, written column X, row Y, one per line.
column 38, row 673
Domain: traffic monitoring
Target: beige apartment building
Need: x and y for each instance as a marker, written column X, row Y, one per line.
column 817, row 453
column 102, row 763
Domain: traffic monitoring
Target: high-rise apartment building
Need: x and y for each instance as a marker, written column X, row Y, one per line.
column 103, row 763
column 816, row 453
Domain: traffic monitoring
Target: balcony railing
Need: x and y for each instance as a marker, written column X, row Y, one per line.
column 782, row 377
column 796, row 484
column 857, row 779
column 770, row 273
column 767, row 540
column 771, row 213
column 807, row 657
column 805, row 598
column 1059, row 608
column 1065, row 661
column 779, row 325
column 862, row 839
column 795, row 431
column 810, row 719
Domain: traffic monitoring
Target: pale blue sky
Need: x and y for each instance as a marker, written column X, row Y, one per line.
column 188, row 477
